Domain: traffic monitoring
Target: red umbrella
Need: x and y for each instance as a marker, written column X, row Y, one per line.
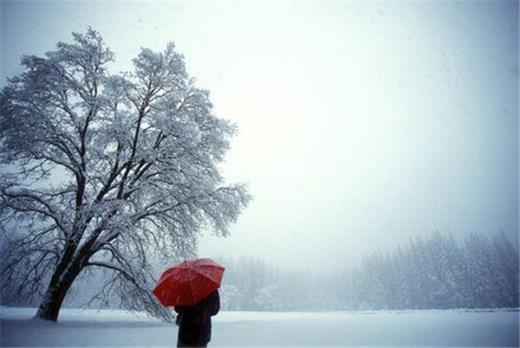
column 188, row 282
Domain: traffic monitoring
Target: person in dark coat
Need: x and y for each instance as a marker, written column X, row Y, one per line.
column 195, row 321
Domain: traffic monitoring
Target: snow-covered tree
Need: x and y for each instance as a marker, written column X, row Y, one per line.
column 506, row 265
column 437, row 272
column 229, row 297
column 268, row 298
column 104, row 170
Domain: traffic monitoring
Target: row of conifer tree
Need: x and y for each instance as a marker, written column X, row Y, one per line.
column 437, row 272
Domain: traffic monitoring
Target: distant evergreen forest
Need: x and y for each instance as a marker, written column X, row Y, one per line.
column 436, row 272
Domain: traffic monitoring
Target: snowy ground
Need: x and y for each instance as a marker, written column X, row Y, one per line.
column 379, row 328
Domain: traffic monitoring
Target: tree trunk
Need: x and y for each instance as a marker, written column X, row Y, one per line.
column 53, row 299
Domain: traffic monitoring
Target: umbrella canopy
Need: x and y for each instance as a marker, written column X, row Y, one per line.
column 188, row 282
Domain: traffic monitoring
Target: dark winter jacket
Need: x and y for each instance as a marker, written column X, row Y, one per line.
column 195, row 321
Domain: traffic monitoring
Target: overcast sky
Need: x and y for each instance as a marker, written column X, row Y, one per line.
column 361, row 124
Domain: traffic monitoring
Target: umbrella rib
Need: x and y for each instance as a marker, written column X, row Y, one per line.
column 192, row 291
column 205, row 275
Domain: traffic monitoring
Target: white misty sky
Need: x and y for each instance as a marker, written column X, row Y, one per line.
column 361, row 124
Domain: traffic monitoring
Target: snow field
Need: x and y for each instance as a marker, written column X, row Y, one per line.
column 376, row 328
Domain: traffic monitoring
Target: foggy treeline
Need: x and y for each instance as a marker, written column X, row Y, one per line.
column 437, row 272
